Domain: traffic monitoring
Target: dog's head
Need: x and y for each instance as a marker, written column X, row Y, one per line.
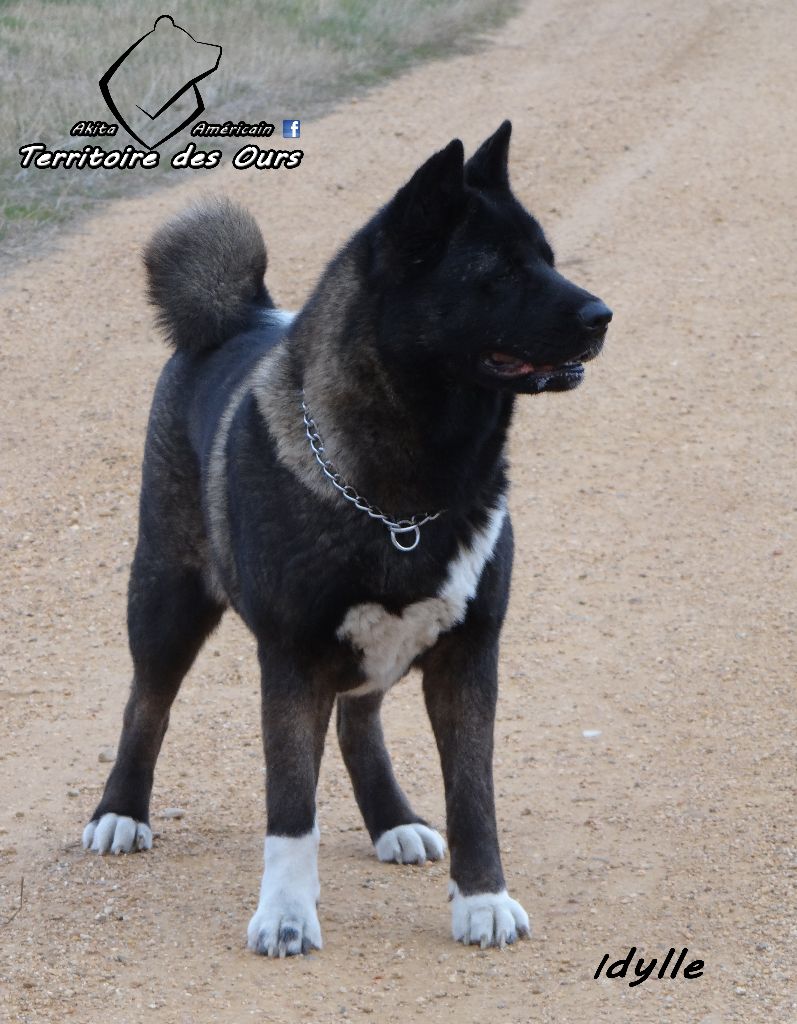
column 468, row 282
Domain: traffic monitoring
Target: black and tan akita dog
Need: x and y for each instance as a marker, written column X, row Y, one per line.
column 339, row 479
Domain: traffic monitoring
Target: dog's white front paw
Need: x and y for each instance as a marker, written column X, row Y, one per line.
column 284, row 927
column 488, row 919
column 286, row 920
column 117, row 834
column 410, row 844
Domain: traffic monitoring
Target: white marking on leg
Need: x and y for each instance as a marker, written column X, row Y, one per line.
column 286, row 919
column 486, row 919
column 115, row 833
column 390, row 643
column 410, row 844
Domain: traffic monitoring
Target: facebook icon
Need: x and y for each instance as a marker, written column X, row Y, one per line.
column 291, row 129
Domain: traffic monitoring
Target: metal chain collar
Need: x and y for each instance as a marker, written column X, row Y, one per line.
column 396, row 527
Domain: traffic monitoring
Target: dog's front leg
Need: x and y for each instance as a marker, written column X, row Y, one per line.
column 460, row 685
column 295, row 714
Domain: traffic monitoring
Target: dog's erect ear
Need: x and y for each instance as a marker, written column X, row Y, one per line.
column 422, row 214
column 488, row 167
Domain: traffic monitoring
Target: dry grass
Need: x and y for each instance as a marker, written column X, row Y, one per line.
column 280, row 59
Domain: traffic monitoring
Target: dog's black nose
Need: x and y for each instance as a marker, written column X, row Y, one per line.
column 595, row 315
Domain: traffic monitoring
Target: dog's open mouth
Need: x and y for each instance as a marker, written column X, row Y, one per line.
column 505, row 367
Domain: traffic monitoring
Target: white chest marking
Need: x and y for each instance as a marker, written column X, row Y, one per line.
column 390, row 643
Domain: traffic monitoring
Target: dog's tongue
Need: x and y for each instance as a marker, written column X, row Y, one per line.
column 510, row 366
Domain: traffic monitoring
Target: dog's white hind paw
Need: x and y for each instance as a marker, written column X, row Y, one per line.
column 488, row 919
column 116, row 834
column 410, row 844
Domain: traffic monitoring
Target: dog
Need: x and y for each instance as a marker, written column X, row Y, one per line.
column 339, row 479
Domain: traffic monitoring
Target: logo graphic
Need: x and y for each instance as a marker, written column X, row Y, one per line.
column 152, row 92
column 146, row 88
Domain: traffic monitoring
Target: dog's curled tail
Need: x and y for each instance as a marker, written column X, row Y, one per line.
column 205, row 273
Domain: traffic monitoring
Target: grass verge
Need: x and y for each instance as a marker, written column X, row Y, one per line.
column 280, row 59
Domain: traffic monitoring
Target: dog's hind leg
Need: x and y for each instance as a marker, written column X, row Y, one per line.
column 398, row 834
column 170, row 613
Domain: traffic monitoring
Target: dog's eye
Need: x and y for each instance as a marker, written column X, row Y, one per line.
column 499, row 278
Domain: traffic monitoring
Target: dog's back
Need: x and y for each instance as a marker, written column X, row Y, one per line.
column 205, row 276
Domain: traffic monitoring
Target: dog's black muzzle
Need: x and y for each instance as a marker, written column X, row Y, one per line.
column 558, row 365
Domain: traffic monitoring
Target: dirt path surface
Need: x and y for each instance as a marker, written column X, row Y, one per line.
column 653, row 599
